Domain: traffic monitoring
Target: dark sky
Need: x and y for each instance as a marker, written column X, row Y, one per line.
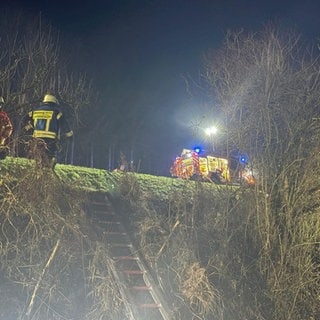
column 148, row 48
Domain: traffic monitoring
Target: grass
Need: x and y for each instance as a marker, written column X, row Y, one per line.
column 204, row 245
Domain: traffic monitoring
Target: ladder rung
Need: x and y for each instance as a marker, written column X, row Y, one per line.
column 150, row 305
column 98, row 202
column 115, row 232
column 109, row 222
column 133, row 272
column 121, row 245
column 106, row 212
column 126, row 258
column 141, row 288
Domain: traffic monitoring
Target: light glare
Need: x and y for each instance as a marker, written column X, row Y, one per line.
column 211, row 131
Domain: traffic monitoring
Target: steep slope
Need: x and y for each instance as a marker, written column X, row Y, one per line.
column 198, row 241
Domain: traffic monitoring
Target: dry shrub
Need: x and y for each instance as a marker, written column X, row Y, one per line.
column 200, row 293
column 294, row 278
column 105, row 295
column 40, row 240
column 37, row 150
column 152, row 233
column 201, row 254
column 266, row 84
column 129, row 187
column 50, row 261
column 168, row 243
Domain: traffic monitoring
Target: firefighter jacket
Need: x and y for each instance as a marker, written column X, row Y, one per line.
column 6, row 128
column 48, row 122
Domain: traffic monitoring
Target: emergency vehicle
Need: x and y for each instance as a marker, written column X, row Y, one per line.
column 190, row 165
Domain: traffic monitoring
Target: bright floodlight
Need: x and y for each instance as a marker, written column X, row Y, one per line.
column 211, row 131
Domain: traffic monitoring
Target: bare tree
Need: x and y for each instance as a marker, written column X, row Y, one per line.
column 267, row 85
column 32, row 63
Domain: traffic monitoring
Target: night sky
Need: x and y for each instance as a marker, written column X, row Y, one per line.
column 149, row 48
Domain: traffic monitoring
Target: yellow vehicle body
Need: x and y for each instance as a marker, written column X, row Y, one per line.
column 219, row 165
column 215, row 169
column 190, row 164
column 203, row 166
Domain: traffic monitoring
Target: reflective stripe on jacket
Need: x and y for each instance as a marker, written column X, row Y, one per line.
column 44, row 134
column 46, row 121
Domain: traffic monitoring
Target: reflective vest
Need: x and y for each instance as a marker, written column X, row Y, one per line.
column 46, row 122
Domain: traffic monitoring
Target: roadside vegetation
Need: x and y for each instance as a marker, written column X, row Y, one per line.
column 266, row 86
column 201, row 242
column 53, row 266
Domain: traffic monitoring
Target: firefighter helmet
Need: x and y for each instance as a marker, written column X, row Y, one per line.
column 50, row 98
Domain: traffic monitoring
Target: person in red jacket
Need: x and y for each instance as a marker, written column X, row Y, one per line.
column 48, row 124
column 6, row 129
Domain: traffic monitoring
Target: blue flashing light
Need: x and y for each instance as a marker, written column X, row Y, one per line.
column 243, row 159
column 198, row 150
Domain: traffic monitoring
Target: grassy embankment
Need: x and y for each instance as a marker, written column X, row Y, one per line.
column 204, row 245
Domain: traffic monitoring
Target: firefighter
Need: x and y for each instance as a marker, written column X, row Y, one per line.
column 47, row 123
column 6, row 129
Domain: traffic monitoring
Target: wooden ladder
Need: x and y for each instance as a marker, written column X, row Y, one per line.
column 145, row 302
